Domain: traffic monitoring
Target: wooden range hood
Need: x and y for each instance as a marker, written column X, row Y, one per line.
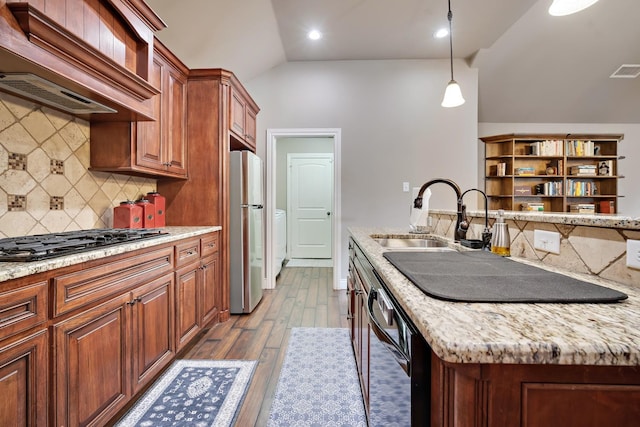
column 98, row 49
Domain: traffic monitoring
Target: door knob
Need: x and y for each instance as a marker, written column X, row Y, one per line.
column 328, row 213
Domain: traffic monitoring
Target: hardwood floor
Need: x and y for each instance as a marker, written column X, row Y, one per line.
column 303, row 297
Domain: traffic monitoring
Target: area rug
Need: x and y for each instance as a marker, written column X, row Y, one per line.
column 318, row 384
column 194, row 393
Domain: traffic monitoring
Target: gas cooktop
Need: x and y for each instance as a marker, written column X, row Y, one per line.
column 44, row 246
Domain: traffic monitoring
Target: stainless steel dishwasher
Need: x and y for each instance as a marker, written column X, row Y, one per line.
column 399, row 361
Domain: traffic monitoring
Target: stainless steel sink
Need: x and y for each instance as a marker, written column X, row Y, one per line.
column 409, row 243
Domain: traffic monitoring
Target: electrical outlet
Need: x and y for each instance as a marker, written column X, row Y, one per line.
column 633, row 253
column 548, row 241
column 405, row 187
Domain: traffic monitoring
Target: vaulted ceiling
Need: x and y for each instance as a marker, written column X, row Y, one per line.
column 532, row 67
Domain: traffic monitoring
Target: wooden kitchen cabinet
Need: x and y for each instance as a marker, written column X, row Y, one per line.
column 106, row 354
column 149, row 148
column 360, row 320
column 198, row 290
column 203, row 199
column 533, row 395
column 243, row 112
column 526, row 183
column 24, row 380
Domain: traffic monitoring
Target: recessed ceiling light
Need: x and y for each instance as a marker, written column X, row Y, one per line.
column 441, row 33
column 314, row 35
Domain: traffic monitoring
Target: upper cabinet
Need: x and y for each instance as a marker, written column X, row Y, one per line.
column 151, row 148
column 100, row 49
column 243, row 112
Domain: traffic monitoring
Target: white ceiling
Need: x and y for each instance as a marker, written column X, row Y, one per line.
column 532, row 67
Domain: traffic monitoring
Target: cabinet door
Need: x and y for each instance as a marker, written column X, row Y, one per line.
column 237, row 114
column 175, row 108
column 211, row 293
column 23, row 381
column 91, row 362
column 153, row 334
column 149, row 133
column 250, row 128
column 187, row 325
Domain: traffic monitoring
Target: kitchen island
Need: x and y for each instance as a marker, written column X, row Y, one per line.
column 521, row 364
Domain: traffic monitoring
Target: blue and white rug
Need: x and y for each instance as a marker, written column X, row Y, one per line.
column 318, row 384
column 194, row 393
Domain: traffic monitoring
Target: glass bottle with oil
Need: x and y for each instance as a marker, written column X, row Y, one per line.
column 501, row 241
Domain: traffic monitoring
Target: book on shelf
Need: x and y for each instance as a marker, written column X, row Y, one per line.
column 578, row 148
column 582, row 208
column 577, row 188
column 584, row 170
column 546, row 148
column 607, row 206
column 526, row 170
column 532, row 206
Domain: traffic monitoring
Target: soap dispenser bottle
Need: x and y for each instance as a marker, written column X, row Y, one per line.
column 501, row 242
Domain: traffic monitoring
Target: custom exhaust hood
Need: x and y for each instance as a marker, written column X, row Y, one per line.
column 82, row 57
column 46, row 92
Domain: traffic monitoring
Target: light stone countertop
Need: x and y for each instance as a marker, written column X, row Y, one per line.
column 567, row 218
column 14, row 270
column 578, row 334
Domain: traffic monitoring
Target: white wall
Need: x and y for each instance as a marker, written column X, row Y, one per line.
column 629, row 205
column 393, row 129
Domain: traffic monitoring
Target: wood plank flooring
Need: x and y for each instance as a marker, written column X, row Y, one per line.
column 303, row 297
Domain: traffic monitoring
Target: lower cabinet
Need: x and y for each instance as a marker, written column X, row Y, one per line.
column 359, row 292
column 106, row 354
column 198, row 294
column 533, row 395
column 23, row 380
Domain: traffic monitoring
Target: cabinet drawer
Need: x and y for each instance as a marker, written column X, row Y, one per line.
column 187, row 252
column 22, row 308
column 83, row 287
column 209, row 244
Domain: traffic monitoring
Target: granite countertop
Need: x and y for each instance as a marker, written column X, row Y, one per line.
column 14, row 270
column 578, row 334
column 567, row 218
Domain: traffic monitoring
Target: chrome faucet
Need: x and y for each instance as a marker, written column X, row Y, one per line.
column 460, row 233
column 486, row 234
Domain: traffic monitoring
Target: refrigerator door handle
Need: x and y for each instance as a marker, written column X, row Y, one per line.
column 251, row 206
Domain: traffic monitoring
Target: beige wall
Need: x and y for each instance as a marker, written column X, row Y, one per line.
column 45, row 184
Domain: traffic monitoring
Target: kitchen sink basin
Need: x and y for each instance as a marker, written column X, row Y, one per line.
column 409, row 243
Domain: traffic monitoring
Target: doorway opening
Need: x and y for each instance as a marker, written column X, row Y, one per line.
column 284, row 144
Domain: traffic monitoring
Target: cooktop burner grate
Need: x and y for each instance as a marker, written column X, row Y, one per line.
column 43, row 246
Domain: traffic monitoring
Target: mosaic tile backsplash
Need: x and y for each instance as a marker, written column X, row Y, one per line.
column 45, row 184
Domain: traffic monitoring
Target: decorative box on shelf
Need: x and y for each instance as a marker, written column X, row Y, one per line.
column 522, row 190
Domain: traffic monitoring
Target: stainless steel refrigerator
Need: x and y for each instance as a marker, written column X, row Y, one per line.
column 246, row 231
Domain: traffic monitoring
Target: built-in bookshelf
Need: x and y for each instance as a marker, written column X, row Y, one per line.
column 552, row 172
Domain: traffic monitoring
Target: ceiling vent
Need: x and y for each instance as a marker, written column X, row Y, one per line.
column 626, row 71
column 38, row 89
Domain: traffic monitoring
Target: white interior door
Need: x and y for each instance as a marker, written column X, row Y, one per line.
column 309, row 199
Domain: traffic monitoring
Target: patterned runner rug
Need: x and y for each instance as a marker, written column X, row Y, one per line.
column 194, row 393
column 318, row 385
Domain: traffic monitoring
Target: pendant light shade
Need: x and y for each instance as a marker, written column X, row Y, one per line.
column 567, row 7
column 452, row 94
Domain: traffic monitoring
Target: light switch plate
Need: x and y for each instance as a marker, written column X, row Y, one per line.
column 405, row 187
column 548, row 241
column 633, row 253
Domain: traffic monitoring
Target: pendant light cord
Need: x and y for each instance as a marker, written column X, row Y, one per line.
column 450, row 16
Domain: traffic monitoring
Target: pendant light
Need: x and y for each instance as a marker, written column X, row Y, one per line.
column 453, row 94
column 567, row 7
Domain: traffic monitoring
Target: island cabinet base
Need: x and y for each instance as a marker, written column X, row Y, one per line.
column 533, row 395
